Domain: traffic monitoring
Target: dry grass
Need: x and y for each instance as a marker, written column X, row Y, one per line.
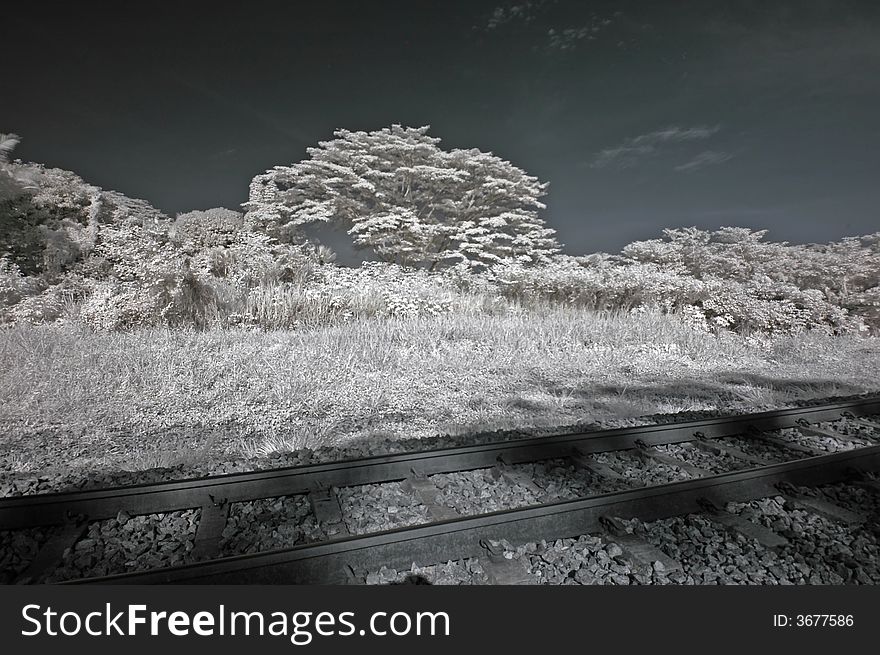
column 75, row 399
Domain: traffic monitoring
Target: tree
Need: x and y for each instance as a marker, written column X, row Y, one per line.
column 7, row 145
column 398, row 193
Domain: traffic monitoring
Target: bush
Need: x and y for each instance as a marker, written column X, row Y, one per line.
column 197, row 230
column 664, row 282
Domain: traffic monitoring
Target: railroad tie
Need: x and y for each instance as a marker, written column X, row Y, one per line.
column 50, row 555
column 868, row 424
column 212, row 520
column 327, row 511
column 826, row 509
column 424, row 489
column 788, row 445
column 820, row 506
column 817, row 431
column 650, row 452
column 864, row 422
column 502, row 571
column 712, row 446
column 516, row 478
column 739, row 525
column 636, row 549
column 596, row 469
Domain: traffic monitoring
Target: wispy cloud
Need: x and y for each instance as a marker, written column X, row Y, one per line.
column 624, row 156
column 705, row 158
column 634, row 149
column 677, row 134
column 525, row 12
column 559, row 32
column 568, row 38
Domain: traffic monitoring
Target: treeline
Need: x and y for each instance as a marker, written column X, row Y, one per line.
column 458, row 231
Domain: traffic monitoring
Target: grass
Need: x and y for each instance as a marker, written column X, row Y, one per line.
column 74, row 399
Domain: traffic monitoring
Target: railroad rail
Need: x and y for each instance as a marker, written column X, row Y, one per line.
column 446, row 537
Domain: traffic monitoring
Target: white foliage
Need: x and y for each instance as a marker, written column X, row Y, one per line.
column 402, row 196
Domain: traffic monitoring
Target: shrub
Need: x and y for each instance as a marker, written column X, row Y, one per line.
column 197, row 230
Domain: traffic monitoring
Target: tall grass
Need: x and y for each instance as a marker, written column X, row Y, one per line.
column 275, row 305
column 73, row 397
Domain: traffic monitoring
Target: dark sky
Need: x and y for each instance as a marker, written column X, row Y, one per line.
column 641, row 115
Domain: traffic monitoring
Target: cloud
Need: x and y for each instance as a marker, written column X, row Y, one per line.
column 559, row 32
column 677, row 134
column 624, row 156
column 705, row 158
column 524, row 12
column 634, row 149
column 568, row 38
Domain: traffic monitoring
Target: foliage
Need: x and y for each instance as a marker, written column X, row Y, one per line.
column 197, row 230
column 412, row 203
column 70, row 251
column 805, row 285
column 714, row 288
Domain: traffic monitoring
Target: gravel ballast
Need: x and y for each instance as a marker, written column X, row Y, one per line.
column 127, row 544
column 638, row 471
column 267, row 524
column 484, row 490
column 820, row 551
column 462, row 572
column 850, row 497
column 479, row 491
column 375, row 507
column 18, row 549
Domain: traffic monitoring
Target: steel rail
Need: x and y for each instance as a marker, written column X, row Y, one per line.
column 18, row 512
column 328, row 562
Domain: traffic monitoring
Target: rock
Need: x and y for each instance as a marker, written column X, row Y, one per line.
column 585, row 577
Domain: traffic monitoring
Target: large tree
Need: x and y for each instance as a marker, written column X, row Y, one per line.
column 397, row 192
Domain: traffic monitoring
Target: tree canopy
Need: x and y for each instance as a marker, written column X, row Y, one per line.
column 397, row 192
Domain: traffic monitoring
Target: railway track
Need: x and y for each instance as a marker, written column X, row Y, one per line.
column 340, row 557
